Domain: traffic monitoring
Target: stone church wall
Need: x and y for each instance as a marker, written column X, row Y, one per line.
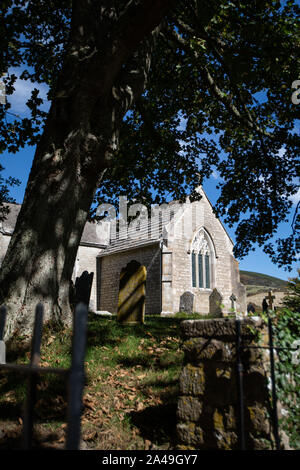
column 86, row 260
column 237, row 287
column 224, row 268
column 4, row 242
column 108, row 274
column 170, row 273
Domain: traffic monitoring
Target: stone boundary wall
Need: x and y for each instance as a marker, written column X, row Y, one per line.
column 207, row 407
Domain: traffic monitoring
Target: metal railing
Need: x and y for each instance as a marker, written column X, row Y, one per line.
column 74, row 377
column 240, row 385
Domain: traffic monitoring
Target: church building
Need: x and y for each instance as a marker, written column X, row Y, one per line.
column 185, row 249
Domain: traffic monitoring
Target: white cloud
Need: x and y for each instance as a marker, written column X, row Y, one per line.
column 296, row 197
column 215, row 175
column 281, row 152
column 22, row 93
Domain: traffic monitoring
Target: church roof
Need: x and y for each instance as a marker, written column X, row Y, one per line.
column 128, row 244
column 151, row 231
column 90, row 234
column 94, row 235
column 219, row 220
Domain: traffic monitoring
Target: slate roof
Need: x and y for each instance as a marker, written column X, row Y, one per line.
column 157, row 233
column 151, row 232
column 89, row 236
column 128, row 244
column 92, row 237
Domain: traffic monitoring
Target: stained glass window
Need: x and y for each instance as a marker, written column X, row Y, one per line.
column 194, row 270
column 207, row 272
column 201, row 260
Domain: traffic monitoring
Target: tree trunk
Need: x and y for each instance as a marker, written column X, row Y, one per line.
column 40, row 258
column 105, row 70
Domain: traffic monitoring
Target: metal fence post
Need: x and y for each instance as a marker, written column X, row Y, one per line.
column 32, row 380
column 273, row 380
column 2, row 343
column 74, row 375
column 77, row 377
column 240, row 386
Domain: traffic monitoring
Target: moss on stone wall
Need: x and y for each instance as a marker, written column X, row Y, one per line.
column 207, row 408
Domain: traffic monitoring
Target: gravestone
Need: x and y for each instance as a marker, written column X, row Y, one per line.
column 187, row 302
column 233, row 300
column 132, row 294
column 270, row 299
column 215, row 303
column 83, row 286
column 250, row 308
column 265, row 305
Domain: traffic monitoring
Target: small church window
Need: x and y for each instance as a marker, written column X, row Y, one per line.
column 207, row 271
column 201, row 260
column 200, row 269
column 194, row 270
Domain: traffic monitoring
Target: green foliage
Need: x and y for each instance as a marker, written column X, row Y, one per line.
column 292, row 299
column 192, row 316
column 218, row 95
column 287, row 333
column 131, row 387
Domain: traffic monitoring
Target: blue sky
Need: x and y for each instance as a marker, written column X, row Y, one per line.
column 18, row 165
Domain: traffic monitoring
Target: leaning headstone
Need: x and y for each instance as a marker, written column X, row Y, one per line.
column 132, row 294
column 83, row 286
column 215, row 303
column 187, row 302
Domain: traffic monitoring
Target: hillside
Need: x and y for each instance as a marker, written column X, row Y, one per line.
column 258, row 285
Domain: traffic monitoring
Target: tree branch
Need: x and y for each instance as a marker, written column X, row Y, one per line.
column 137, row 21
column 111, row 48
column 148, row 121
column 221, row 96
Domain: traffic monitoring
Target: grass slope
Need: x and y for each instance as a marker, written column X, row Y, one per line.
column 130, row 394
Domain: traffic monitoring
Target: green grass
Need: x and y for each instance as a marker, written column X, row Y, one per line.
column 193, row 316
column 131, row 385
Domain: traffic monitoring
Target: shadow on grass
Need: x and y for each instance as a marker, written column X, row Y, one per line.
column 157, row 424
column 11, row 411
column 51, row 399
column 103, row 331
column 146, row 362
column 106, row 331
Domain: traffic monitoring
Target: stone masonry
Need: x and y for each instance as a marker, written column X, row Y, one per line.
column 187, row 253
column 168, row 259
column 207, row 406
column 108, row 276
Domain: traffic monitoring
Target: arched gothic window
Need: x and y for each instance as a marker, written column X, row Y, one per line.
column 201, row 252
